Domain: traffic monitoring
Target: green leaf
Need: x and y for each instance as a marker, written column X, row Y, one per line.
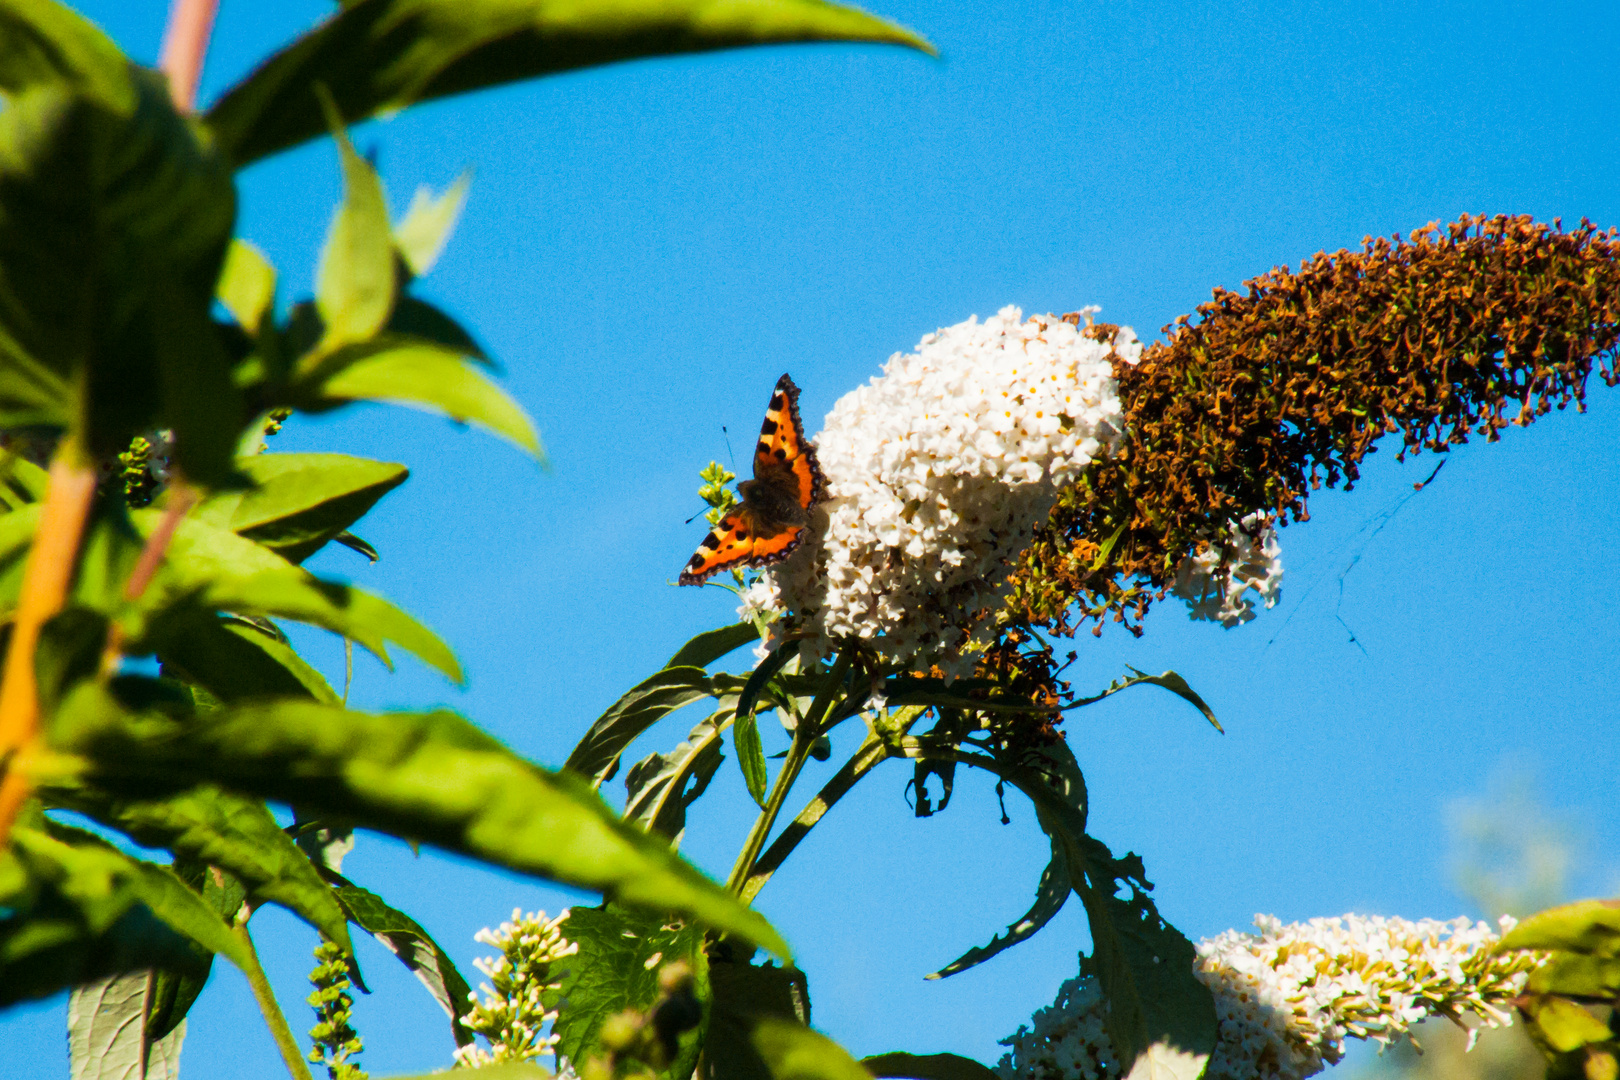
column 792, row 1051
column 927, row 1067
column 1563, row 1025
column 299, row 502
column 510, row 1070
column 247, row 286
column 107, row 1032
column 750, row 756
column 422, row 375
column 354, row 288
column 234, row 658
column 616, row 968
column 217, row 828
column 421, row 235
column 1586, row 926
column 1171, row 682
column 662, row 786
column 1050, row 896
column 597, row 756
column 382, row 55
column 45, row 42
column 1160, row 1017
column 401, row 935
column 429, row 777
column 748, row 697
column 416, row 318
column 711, row 645
column 113, row 227
column 1576, row 975
column 215, row 568
column 743, row 997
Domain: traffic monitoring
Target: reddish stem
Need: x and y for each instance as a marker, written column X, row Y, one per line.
column 185, row 43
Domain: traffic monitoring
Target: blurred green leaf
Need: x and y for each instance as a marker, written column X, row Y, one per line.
column 247, row 286
column 750, row 756
column 1170, row 681
column 218, row 828
column 113, row 227
column 616, row 968
column 1050, row 896
column 711, row 645
column 926, row 1067
column 431, row 777
column 107, row 1032
column 401, row 935
column 354, row 288
column 414, row 317
column 234, row 658
column 596, row 757
column 381, row 55
column 1562, row 1026
column 422, row 375
column 299, row 502
column 216, row 568
column 421, row 235
column 793, row 1052
column 42, row 42
column 1576, row 975
column 1586, row 926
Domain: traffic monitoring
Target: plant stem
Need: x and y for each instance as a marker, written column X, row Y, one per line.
column 273, row 1018
column 185, row 43
column 804, row 737
column 872, row 752
column 46, row 579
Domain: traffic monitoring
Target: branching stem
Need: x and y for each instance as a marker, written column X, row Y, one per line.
column 805, row 734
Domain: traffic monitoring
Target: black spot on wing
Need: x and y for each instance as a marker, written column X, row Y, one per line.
column 768, row 428
column 709, row 542
column 781, row 453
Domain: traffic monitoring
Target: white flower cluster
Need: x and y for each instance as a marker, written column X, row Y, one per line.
column 1222, row 583
column 512, row 1016
column 937, row 473
column 1287, row 997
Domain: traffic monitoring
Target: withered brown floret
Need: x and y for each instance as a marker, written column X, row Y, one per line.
column 1266, row 396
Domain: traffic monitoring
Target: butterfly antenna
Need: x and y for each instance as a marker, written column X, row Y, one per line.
column 727, row 436
column 693, row 518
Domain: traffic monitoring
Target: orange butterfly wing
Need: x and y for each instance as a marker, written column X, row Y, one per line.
column 776, row 504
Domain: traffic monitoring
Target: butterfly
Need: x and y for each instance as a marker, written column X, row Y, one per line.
column 769, row 523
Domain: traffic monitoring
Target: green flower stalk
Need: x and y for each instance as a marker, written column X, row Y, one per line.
column 336, row 1041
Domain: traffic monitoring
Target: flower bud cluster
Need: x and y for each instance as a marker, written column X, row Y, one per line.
column 1222, row 582
column 937, row 474
column 1287, row 997
column 513, row 1016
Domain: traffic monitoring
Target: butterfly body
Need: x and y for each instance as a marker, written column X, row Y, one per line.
column 769, row 523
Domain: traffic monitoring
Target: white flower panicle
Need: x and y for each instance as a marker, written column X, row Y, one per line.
column 1288, row 997
column 937, row 474
column 512, row 1016
column 1222, row 583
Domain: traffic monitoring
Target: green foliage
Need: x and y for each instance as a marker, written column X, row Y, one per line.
column 926, row 1067
column 624, row 964
column 108, row 1034
column 1582, row 968
column 380, row 55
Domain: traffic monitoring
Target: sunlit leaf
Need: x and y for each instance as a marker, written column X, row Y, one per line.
column 107, row 1032
column 381, row 55
column 1586, row 926
column 247, row 285
column 616, row 968
column 750, row 756
column 430, row 777
column 218, row 828
column 42, row 42
column 711, row 645
column 299, row 502
column 662, row 786
column 422, row 375
column 1050, row 896
column 421, row 234
column 354, row 289
column 596, row 757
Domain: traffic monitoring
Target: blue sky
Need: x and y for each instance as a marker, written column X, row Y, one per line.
column 647, row 247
